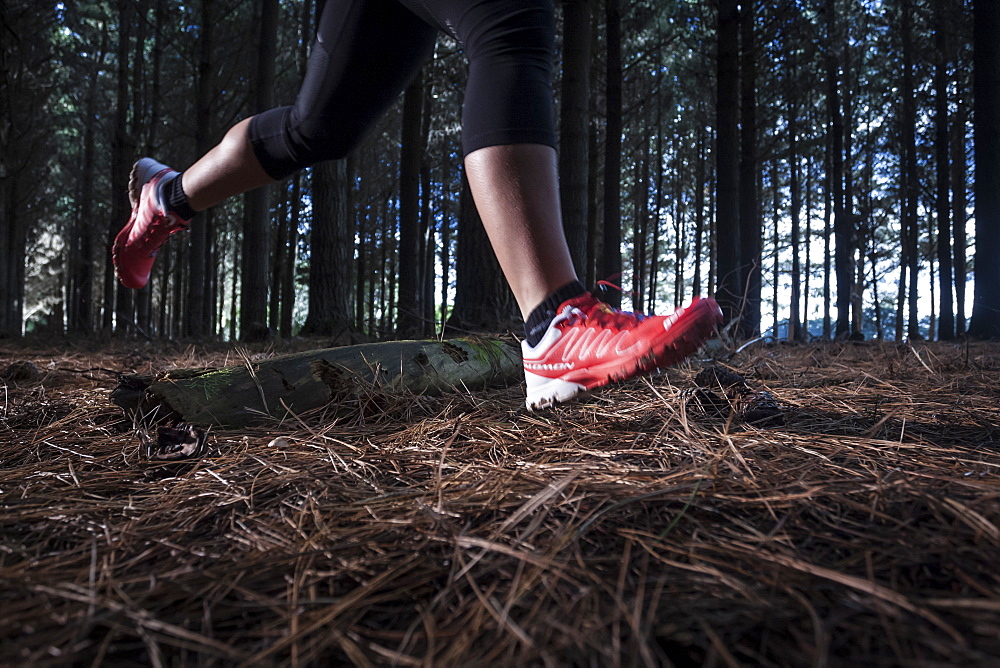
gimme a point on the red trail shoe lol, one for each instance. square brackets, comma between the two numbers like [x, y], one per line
[149, 226]
[589, 345]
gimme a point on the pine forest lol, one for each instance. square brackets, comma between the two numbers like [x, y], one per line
[765, 431]
[814, 164]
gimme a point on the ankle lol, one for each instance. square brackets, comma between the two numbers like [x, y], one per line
[175, 200]
[541, 316]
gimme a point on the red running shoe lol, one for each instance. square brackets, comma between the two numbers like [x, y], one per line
[589, 345]
[149, 226]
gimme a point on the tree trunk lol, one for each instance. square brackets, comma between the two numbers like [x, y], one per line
[946, 319]
[827, 236]
[751, 230]
[959, 205]
[727, 232]
[256, 234]
[594, 226]
[196, 316]
[26, 151]
[426, 276]
[611, 264]
[291, 260]
[791, 92]
[362, 278]
[279, 255]
[678, 200]
[574, 118]
[852, 220]
[445, 217]
[699, 207]
[654, 254]
[841, 226]
[904, 246]
[331, 259]
[332, 379]
[408, 318]
[985, 322]
[911, 183]
[389, 306]
[640, 205]
[776, 242]
[122, 152]
[713, 246]
[378, 270]
[483, 300]
[80, 296]
[804, 334]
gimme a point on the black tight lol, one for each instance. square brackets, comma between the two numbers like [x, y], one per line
[367, 51]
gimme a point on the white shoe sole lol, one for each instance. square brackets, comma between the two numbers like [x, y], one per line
[543, 392]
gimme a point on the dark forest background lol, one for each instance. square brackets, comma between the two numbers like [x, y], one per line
[824, 167]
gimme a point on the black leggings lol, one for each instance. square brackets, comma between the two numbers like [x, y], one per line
[367, 51]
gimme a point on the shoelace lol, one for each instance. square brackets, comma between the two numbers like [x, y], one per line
[599, 314]
[639, 317]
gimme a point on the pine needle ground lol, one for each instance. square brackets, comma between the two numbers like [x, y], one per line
[633, 528]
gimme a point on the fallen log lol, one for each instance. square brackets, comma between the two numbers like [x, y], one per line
[273, 388]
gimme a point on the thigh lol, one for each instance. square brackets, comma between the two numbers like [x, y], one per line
[365, 54]
[510, 47]
[469, 21]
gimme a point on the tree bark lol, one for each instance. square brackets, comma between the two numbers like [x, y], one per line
[751, 230]
[653, 268]
[279, 256]
[807, 260]
[640, 205]
[776, 242]
[26, 149]
[727, 232]
[288, 270]
[408, 322]
[427, 273]
[574, 118]
[852, 220]
[122, 152]
[196, 316]
[959, 205]
[946, 318]
[910, 174]
[445, 217]
[791, 93]
[256, 234]
[841, 226]
[331, 259]
[81, 257]
[611, 254]
[700, 180]
[678, 201]
[483, 300]
[985, 322]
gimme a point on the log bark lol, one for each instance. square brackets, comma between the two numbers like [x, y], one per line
[275, 388]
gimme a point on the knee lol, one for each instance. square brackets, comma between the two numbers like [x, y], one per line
[312, 140]
[285, 141]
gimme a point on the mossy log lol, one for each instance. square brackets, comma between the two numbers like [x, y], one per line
[275, 387]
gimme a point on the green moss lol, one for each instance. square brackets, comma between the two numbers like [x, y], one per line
[219, 381]
[488, 351]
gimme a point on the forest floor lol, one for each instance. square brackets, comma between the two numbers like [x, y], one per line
[648, 524]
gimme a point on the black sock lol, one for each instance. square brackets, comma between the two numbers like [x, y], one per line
[174, 200]
[539, 319]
